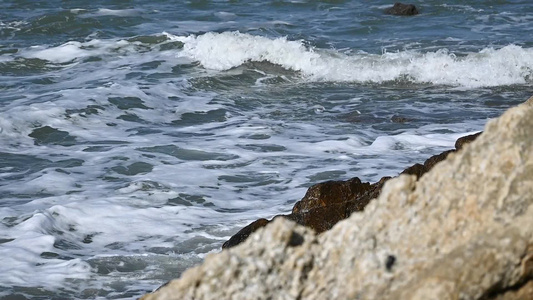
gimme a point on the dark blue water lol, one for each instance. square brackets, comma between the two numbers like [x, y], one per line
[137, 136]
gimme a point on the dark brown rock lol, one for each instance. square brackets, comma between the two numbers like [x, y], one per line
[432, 161]
[398, 119]
[330, 192]
[401, 9]
[323, 206]
[416, 169]
[327, 203]
[322, 218]
[465, 140]
[244, 233]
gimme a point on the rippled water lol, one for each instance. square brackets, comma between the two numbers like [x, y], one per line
[137, 136]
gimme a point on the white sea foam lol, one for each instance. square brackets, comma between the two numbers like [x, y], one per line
[15, 25]
[489, 67]
[61, 54]
[108, 221]
[117, 12]
[462, 8]
[77, 10]
[73, 50]
[25, 256]
[226, 16]
[410, 141]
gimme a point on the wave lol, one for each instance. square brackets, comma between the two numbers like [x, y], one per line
[490, 67]
[509, 65]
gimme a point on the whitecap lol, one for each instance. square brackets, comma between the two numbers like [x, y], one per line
[61, 54]
[509, 65]
[117, 12]
[226, 16]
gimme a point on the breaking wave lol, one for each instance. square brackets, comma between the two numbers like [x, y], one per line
[509, 65]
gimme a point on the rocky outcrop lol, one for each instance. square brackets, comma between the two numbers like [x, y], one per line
[327, 203]
[401, 9]
[465, 140]
[463, 231]
[244, 233]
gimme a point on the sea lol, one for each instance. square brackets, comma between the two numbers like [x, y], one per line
[137, 136]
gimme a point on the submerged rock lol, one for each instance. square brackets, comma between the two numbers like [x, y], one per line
[464, 230]
[401, 9]
[399, 119]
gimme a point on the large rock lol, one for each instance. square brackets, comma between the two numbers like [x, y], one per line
[324, 205]
[331, 192]
[244, 233]
[463, 231]
[329, 202]
[465, 140]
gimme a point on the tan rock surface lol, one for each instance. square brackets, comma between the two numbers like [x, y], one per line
[463, 231]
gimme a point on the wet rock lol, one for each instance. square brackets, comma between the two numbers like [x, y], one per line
[327, 203]
[324, 205]
[330, 192]
[432, 161]
[321, 218]
[399, 119]
[465, 140]
[243, 234]
[401, 9]
[417, 169]
[464, 230]
[358, 117]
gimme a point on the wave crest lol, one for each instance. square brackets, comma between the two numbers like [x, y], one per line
[509, 65]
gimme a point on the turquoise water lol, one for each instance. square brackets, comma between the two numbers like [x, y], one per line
[137, 136]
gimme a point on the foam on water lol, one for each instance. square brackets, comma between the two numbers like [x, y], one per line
[132, 161]
[462, 8]
[117, 12]
[70, 51]
[489, 67]
[64, 53]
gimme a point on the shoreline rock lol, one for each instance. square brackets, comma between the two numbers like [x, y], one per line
[464, 230]
[327, 203]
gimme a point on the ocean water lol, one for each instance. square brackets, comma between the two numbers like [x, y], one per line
[137, 136]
